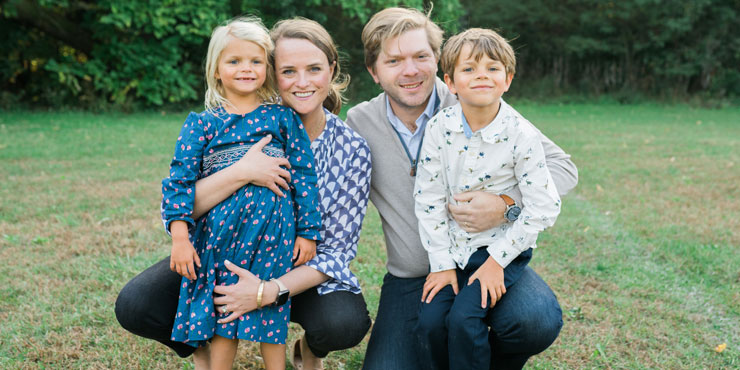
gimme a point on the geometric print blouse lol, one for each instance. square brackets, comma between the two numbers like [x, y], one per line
[505, 153]
[343, 166]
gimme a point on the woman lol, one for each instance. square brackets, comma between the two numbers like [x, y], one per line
[327, 301]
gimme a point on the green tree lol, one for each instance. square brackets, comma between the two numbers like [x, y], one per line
[150, 52]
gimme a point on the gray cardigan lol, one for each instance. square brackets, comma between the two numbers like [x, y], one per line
[392, 188]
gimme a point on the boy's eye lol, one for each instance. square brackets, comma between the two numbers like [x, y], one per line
[392, 61]
[315, 69]
[467, 69]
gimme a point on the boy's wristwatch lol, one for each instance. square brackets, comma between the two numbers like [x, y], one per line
[512, 210]
[283, 293]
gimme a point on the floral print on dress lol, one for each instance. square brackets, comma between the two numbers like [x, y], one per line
[253, 228]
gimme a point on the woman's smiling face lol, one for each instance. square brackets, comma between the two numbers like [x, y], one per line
[303, 74]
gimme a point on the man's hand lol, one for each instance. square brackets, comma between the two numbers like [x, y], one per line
[258, 168]
[491, 277]
[477, 211]
[183, 256]
[241, 297]
[303, 250]
[436, 281]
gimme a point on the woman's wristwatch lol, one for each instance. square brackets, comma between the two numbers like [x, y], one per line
[283, 293]
[512, 210]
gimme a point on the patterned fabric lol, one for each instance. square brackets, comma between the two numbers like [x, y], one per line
[227, 157]
[505, 153]
[343, 166]
[253, 227]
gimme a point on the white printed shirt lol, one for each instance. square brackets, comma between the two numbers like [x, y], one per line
[506, 152]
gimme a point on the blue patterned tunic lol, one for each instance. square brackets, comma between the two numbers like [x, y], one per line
[343, 166]
[253, 228]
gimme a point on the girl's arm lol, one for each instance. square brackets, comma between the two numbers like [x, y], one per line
[254, 167]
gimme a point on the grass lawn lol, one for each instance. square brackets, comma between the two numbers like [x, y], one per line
[645, 257]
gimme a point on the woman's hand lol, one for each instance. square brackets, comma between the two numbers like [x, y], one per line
[241, 297]
[436, 281]
[303, 250]
[478, 211]
[254, 167]
[258, 168]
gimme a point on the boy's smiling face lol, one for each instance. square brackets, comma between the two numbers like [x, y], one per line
[478, 84]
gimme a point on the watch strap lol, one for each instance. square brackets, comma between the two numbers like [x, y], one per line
[507, 199]
[280, 284]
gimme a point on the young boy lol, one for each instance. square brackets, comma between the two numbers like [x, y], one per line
[481, 143]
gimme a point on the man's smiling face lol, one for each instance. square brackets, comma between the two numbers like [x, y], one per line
[405, 69]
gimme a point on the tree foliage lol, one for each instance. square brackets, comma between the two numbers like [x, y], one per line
[657, 47]
[122, 52]
[150, 52]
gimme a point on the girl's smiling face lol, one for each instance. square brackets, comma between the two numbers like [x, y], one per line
[303, 75]
[241, 69]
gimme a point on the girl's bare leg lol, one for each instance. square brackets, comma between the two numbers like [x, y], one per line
[274, 355]
[202, 357]
[223, 351]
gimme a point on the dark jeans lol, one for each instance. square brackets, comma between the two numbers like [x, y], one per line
[146, 306]
[523, 323]
[452, 328]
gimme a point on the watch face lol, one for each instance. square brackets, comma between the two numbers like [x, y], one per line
[513, 213]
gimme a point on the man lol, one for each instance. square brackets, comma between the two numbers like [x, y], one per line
[402, 47]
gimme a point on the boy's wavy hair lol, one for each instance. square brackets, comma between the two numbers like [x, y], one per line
[482, 42]
[247, 28]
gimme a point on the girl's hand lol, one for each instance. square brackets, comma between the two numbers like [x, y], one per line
[258, 168]
[491, 277]
[303, 250]
[436, 281]
[183, 257]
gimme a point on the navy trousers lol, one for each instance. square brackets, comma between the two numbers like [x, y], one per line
[523, 323]
[147, 305]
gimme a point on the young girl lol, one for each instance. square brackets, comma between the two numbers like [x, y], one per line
[253, 228]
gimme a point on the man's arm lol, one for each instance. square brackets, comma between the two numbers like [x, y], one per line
[485, 210]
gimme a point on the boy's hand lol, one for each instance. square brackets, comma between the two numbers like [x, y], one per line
[183, 253]
[303, 250]
[491, 277]
[436, 281]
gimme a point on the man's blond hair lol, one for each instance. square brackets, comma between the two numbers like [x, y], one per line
[482, 41]
[393, 22]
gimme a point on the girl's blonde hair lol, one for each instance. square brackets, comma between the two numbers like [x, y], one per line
[247, 28]
[313, 32]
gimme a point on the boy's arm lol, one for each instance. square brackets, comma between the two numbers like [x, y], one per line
[540, 201]
[430, 198]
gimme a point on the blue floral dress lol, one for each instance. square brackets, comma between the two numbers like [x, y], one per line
[253, 228]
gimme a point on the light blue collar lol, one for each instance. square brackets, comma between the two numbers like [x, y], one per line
[425, 116]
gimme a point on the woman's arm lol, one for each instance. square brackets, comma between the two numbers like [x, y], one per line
[241, 297]
[254, 167]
